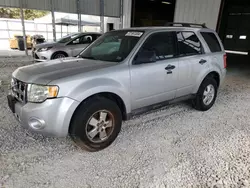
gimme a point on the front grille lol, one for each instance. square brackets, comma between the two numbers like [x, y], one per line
[19, 89]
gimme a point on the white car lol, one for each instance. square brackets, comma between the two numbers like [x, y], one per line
[68, 46]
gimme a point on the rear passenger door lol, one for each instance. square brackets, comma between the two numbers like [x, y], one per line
[193, 62]
[216, 50]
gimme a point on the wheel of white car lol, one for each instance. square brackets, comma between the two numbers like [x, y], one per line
[206, 95]
[59, 55]
[96, 124]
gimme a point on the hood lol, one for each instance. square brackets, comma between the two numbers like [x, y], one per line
[43, 73]
[48, 44]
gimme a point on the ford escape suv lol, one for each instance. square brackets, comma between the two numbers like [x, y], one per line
[124, 72]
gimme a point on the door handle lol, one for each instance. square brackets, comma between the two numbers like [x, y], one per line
[202, 61]
[170, 67]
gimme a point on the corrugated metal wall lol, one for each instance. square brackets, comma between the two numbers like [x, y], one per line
[33, 4]
[91, 7]
[9, 3]
[198, 11]
[69, 6]
[112, 7]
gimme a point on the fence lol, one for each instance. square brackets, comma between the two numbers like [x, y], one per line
[11, 27]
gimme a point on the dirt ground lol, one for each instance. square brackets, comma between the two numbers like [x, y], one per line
[176, 146]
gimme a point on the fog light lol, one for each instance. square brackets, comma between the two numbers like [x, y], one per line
[44, 58]
[36, 123]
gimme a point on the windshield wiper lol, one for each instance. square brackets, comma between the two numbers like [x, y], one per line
[87, 57]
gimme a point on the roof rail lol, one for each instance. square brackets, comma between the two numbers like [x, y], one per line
[185, 24]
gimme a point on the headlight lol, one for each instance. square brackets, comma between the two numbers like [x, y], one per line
[44, 49]
[39, 93]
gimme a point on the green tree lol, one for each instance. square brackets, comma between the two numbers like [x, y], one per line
[16, 13]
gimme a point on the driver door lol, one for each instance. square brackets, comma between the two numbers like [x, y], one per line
[155, 82]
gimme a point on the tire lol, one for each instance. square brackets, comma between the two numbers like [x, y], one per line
[58, 55]
[199, 103]
[87, 113]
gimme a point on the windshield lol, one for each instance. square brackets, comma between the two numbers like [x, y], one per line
[68, 38]
[114, 46]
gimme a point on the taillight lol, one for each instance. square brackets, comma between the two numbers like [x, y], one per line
[225, 60]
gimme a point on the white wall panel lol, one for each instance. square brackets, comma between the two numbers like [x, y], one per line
[198, 11]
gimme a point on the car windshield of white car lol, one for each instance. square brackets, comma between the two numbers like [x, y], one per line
[68, 38]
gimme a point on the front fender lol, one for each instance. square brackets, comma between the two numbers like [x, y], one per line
[100, 85]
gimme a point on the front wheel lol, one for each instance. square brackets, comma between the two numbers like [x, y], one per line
[96, 124]
[206, 95]
[58, 55]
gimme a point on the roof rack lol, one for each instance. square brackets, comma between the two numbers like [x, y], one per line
[186, 24]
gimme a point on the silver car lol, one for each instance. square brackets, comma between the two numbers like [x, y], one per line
[123, 73]
[68, 46]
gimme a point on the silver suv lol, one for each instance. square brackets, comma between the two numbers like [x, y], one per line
[124, 72]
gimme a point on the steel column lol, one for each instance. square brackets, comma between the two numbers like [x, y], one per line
[79, 16]
[23, 27]
[47, 34]
[53, 19]
[7, 23]
[121, 14]
[102, 16]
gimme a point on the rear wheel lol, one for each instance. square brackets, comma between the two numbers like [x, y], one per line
[96, 124]
[206, 96]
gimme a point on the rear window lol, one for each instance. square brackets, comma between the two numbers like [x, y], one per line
[212, 42]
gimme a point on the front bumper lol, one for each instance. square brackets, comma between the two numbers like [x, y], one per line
[53, 115]
[42, 56]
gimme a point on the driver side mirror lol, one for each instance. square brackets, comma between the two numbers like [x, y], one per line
[145, 56]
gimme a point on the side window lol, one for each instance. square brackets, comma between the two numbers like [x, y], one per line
[188, 43]
[87, 39]
[76, 41]
[162, 44]
[212, 41]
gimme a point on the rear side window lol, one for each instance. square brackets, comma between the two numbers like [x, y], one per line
[188, 43]
[211, 41]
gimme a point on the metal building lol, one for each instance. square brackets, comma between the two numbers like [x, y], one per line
[229, 17]
[193, 11]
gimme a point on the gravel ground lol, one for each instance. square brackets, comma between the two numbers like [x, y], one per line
[173, 147]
